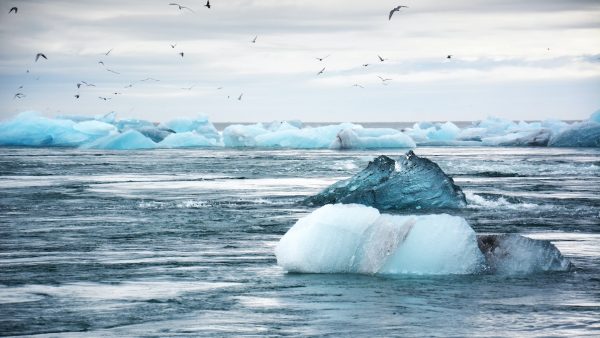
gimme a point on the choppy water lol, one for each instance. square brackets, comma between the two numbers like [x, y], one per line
[180, 242]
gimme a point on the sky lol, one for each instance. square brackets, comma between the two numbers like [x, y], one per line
[521, 60]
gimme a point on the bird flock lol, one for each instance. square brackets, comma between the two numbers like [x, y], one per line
[83, 84]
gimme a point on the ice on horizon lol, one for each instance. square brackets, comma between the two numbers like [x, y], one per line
[107, 132]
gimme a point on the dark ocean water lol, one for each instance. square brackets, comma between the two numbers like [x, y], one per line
[180, 243]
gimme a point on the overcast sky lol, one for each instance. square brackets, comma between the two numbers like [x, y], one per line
[510, 58]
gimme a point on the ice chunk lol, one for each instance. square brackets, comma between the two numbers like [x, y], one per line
[156, 134]
[31, 129]
[538, 138]
[595, 116]
[515, 254]
[201, 125]
[581, 134]
[95, 128]
[371, 138]
[410, 182]
[239, 135]
[131, 139]
[358, 239]
[186, 139]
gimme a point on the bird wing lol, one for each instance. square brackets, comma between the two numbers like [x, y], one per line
[14, 9]
[108, 52]
[380, 58]
[392, 12]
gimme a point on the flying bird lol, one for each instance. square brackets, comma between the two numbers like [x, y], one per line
[181, 7]
[149, 79]
[112, 71]
[240, 97]
[254, 40]
[173, 46]
[219, 88]
[104, 98]
[38, 55]
[76, 96]
[19, 96]
[87, 84]
[181, 53]
[383, 79]
[207, 4]
[116, 93]
[357, 85]
[449, 57]
[189, 88]
[14, 9]
[396, 9]
[380, 58]
[323, 58]
[365, 65]
[110, 50]
[321, 71]
[20, 87]
[102, 63]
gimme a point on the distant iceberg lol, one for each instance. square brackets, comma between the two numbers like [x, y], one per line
[358, 239]
[33, 130]
[409, 182]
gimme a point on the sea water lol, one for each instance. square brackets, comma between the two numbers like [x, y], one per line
[181, 242]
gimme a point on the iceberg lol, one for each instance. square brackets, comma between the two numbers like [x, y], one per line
[371, 138]
[580, 134]
[201, 125]
[515, 254]
[352, 238]
[358, 239]
[410, 182]
[131, 139]
[186, 140]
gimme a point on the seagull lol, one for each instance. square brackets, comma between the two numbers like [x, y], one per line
[19, 96]
[181, 7]
[357, 85]
[38, 55]
[112, 71]
[219, 88]
[254, 40]
[87, 84]
[189, 88]
[321, 71]
[240, 97]
[396, 9]
[104, 98]
[20, 87]
[116, 93]
[323, 58]
[110, 50]
[382, 79]
[149, 79]
[76, 96]
[78, 85]
[449, 57]
[365, 65]
[14, 9]
[380, 58]
[173, 46]
[207, 4]
[102, 63]
[181, 54]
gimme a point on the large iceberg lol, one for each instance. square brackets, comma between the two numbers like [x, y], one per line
[358, 239]
[581, 134]
[409, 182]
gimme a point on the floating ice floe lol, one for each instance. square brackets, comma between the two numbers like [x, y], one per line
[358, 239]
[32, 129]
[410, 182]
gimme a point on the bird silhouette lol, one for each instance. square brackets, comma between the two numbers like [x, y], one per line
[38, 55]
[383, 79]
[173, 46]
[112, 71]
[365, 65]
[321, 71]
[357, 85]
[19, 96]
[76, 96]
[88, 84]
[240, 97]
[188, 88]
[396, 9]
[14, 9]
[380, 58]
[181, 53]
[102, 63]
[104, 98]
[110, 50]
[449, 57]
[254, 40]
[207, 4]
[323, 58]
[181, 7]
